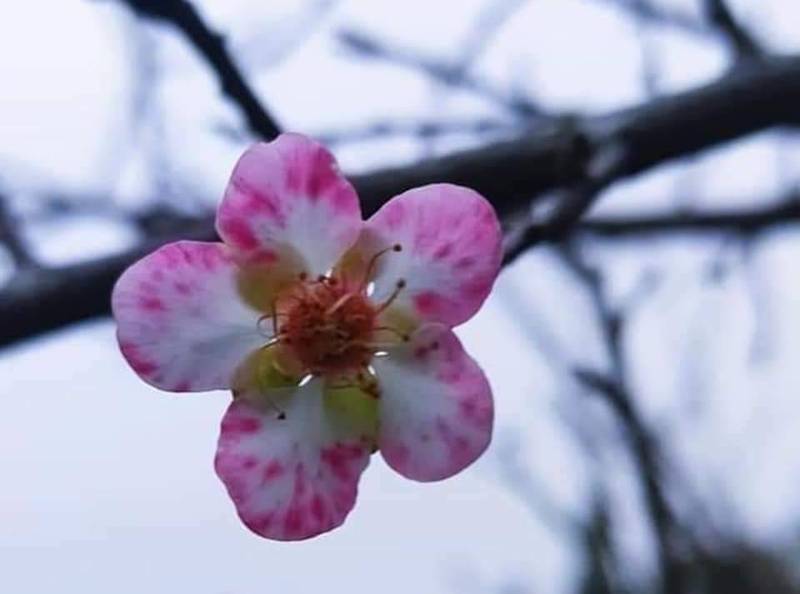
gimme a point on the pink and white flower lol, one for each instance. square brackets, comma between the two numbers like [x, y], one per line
[333, 333]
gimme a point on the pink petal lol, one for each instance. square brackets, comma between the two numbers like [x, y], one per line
[181, 322]
[435, 406]
[451, 251]
[290, 478]
[288, 195]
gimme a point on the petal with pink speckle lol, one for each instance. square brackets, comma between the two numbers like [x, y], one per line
[287, 197]
[451, 252]
[181, 322]
[435, 406]
[294, 475]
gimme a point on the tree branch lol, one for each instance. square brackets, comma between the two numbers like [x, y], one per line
[742, 42]
[742, 222]
[10, 237]
[451, 75]
[643, 446]
[509, 173]
[211, 45]
[657, 14]
[420, 129]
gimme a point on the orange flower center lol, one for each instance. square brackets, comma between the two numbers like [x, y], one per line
[328, 327]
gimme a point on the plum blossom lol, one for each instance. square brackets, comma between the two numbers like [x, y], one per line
[334, 334]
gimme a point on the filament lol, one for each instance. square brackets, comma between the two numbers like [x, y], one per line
[374, 261]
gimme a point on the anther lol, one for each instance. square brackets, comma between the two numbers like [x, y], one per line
[397, 247]
[276, 408]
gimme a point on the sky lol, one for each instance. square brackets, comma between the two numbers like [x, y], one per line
[108, 484]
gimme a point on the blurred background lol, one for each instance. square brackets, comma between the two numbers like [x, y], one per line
[642, 341]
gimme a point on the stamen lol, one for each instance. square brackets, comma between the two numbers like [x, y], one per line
[342, 300]
[401, 284]
[373, 262]
[276, 408]
[378, 347]
[262, 330]
[401, 335]
[273, 341]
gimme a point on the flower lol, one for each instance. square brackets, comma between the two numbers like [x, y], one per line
[333, 333]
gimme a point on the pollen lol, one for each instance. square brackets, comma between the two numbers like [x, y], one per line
[328, 326]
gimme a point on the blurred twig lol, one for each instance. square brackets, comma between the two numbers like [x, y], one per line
[451, 75]
[658, 14]
[11, 238]
[613, 387]
[211, 45]
[419, 129]
[488, 23]
[723, 19]
[739, 221]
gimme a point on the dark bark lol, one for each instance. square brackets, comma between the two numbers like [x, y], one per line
[510, 173]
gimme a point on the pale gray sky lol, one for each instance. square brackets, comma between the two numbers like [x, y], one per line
[108, 485]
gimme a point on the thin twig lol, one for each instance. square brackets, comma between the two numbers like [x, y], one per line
[723, 19]
[613, 387]
[443, 72]
[211, 45]
[11, 238]
[658, 14]
[742, 222]
[420, 129]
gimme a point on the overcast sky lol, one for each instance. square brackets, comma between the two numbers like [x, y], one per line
[108, 484]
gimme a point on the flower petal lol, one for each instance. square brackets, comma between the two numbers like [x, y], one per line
[435, 406]
[292, 475]
[181, 322]
[288, 196]
[451, 251]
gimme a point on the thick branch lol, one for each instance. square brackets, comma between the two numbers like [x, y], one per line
[211, 45]
[510, 173]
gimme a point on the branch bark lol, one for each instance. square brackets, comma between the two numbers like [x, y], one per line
[509, 173]
[742, 222]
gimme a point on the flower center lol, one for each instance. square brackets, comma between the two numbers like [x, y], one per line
[328, 327]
